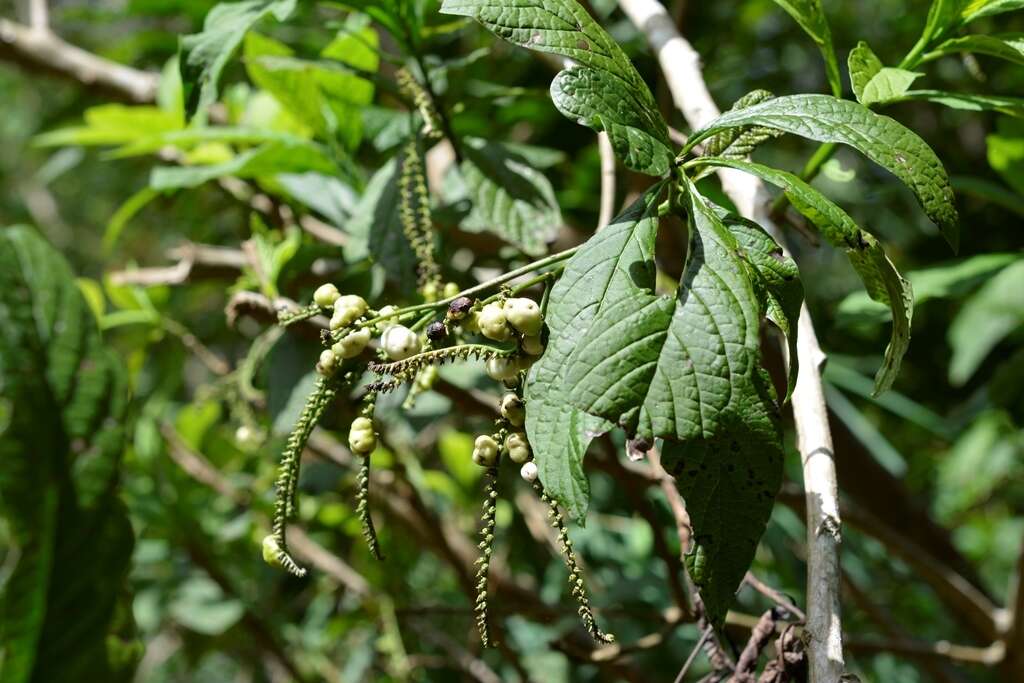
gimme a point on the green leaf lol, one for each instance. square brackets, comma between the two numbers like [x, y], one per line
[739, 143]
[203, 56]
[863, 64]
[778, 281]
[669, 366]
[376, 227]
[61, 440]
[887, 85]
[880, 277]
[600, 101]
[880, 138]
[811, 17]
[112, 124]
[990, 191]
[1008, 46]
[976, 9]
[1011, 106]
[993, 312]
[559, 433]
[1006, 152]
[729, 482]
[266, 160]
[605, 93]
[946, 15]
[509, 198]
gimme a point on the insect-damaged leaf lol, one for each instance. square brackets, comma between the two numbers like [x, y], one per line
[882, 139]
[560, 433]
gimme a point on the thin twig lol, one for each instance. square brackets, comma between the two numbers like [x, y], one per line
[681, 66]
[604, 146]
[681, 676]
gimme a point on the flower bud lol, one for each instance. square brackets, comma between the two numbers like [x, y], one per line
[513, 410]
[518, 448]
[326, 295]
[352, 344]
[485, 451]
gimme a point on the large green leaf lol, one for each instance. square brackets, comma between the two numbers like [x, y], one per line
[203, 56]
[1008, 46]
[881, 279]
[811, 17]
[1006, 152]
[61, 438]
[669, 366]
[603, 90]
[559, 433]
[882, 139]
[729, 482]
[510, 198]
[947, 15]
[600, 101]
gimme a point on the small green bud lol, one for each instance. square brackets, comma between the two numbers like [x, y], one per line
[326, 295]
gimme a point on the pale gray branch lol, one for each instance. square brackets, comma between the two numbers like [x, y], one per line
[681, 66]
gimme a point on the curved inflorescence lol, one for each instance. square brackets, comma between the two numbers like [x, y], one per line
[488, 518]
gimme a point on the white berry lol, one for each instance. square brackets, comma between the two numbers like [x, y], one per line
[529, 471]
[491, 320]
[524, 315]
[352, 344]
[501, 369]
[400, 342]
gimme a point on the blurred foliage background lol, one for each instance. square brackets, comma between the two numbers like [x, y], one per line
[932, 473]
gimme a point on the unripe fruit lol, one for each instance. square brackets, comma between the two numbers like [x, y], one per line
[532, 345]
[400, 342]
[529, 471]
[518, 448]
[451, 289]
[429, 291]
[471, 323]
[352, 344]
[485, 451]
[512, 409]
[327, 363]
[326, 295]
[436, 331]
[347, 310]
[492, 323]
[524, 315]
[271, 552]
[361, 437]
[459, 308]
[501, 369]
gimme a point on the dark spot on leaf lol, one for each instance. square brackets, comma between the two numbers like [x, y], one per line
[583, 45]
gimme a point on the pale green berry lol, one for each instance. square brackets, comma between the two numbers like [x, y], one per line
[326, 295]
[471, 323]
[529, 471]
[451, 289]
[518, 448]
[430, 292]
[512, 409]
[327, 363]
[485, 451]
[524, 315]
[347, 310]
[491, 320]
[501, 368]
[361, 437]
[352, 344]
[399, 342]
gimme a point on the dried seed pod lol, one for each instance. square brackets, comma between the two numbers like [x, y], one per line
[458, 309]
[436, 331]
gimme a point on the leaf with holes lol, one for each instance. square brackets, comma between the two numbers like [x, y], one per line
[61, 439]
[729, 482]
[597, 100]
[880, 138]
[559, 433]
[670, 366]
